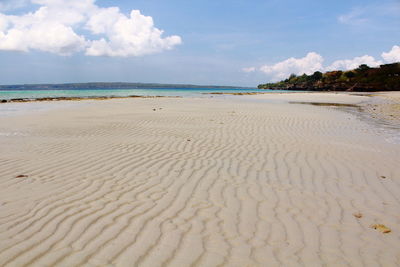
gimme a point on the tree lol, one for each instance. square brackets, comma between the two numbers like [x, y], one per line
[302, 78]
[363, 67]
[349, 74]
[333, 75]
[316, 76]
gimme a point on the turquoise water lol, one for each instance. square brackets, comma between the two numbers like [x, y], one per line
[11, 109]
[184, 92]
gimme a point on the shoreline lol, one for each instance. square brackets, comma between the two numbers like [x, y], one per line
[63, 98]
[72, 98]
[380, 108]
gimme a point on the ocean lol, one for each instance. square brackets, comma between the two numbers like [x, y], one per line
[11, 109]
[182, 92]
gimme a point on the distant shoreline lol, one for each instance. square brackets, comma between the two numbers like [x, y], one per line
[28, 95]
[113, 85]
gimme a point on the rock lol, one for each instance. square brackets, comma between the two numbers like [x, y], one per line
[21, 176]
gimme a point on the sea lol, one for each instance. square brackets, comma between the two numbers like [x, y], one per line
[13, 108]
[182, 92]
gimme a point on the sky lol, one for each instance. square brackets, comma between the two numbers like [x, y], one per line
[219, 42]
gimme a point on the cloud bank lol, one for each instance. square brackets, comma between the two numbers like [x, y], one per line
[393, 55]
[314, 62]
[349, 64]
[57, 26]
[308, 64]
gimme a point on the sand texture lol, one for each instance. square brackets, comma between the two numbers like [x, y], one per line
[198, 182]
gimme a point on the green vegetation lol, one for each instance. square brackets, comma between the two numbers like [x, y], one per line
[363, 79]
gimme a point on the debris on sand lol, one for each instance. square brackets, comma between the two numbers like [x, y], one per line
[381, 228]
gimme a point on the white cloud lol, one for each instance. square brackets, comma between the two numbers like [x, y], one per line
[309, 64]
[127, 36]
[349, 64]
[49, 29]
[393, 55]
[249, 69]
[313, 62]
[54, 25]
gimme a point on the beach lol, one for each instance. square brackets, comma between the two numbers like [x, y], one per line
[257, 180]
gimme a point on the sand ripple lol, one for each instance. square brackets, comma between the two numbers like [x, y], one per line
[197, 183]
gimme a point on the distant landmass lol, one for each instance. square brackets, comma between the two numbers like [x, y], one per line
[105, 85]
[363, 79]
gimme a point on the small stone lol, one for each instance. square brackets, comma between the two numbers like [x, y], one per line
[358, 215]
[189, 140]
[21, 176]
[381, 228]
[383, 177]
[154, 109]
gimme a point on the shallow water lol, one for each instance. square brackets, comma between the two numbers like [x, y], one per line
[11, 109]
[389, 130]
[183, 92]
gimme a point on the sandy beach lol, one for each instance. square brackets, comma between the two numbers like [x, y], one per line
[214, 181]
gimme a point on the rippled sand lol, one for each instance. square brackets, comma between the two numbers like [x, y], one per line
[198, 182]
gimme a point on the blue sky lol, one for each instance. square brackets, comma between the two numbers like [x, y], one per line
[234, 42]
